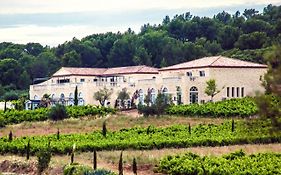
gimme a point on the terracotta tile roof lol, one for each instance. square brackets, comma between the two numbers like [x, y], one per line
[214, 61]
[130, 70]
[105, 71]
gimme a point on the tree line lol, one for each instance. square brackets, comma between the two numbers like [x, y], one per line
[247, 36]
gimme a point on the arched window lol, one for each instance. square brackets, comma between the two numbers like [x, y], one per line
[71, 99]
[36, 97]
[141, 96]
[81, 102]
[193, 95]
[179, 95]
[153, 96]
[62, 96]
[53, 96]
[71, 96]
[165, 91]
[80, 95]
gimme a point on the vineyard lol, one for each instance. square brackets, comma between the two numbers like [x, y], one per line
[234, 163]
[41, 114]
[227, 133]
[242, 107]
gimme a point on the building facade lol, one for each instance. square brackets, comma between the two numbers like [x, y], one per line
[185, 82]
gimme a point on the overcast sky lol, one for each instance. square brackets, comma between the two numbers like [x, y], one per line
[52, 22]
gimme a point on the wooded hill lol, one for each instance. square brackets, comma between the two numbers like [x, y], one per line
[246, 35]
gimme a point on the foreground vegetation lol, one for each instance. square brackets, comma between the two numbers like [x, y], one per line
[234, 163]
[228, 133]
[41, 114]
[243, 107]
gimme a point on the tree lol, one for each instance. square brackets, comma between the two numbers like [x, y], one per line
[58, 112]
[270, 104]
[72, 59]
[211, 88]
[45, 101]
[76, 96]
[134, 166]
[249, 13]
[102, 95]
[120, 164]
[123, 95]
[253, 40]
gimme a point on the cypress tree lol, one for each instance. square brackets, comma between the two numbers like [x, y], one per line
[189, 128]
[28, 150]
[58, 134]
[76, 96]
[232, 126]
[134, 166]
[10, 136]
[95, 160]
[104, 130]
[120, 165]
[72, 157]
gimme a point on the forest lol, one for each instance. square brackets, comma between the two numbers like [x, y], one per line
[244, 35]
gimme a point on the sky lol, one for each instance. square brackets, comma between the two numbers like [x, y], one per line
[52, 22]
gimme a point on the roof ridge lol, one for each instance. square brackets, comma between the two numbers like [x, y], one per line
[141, 67]
[219, 57]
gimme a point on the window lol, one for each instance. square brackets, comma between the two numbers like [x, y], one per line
[202, 73]
[227, 91]
[95, 80]
[202, 101]
[237, 92]
[153, 96]
[64, 81]
[82, 80]
[189, 74]
[242, 92]
[232, 91]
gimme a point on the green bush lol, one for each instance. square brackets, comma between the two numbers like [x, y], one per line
[75, 169]
[41, 114]
[58, 112]
[234, 163]
[161, 103]
[243, 107]
[100, 172]
[44, 157]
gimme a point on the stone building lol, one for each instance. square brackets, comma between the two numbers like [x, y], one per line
[185, 82]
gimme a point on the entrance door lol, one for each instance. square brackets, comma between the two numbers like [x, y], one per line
[193, 95]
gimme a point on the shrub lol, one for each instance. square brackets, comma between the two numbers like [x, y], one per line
[100, 172]
[242, 107]
[162, 102]
[58, 112]
[44, 158]
[76, 169]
